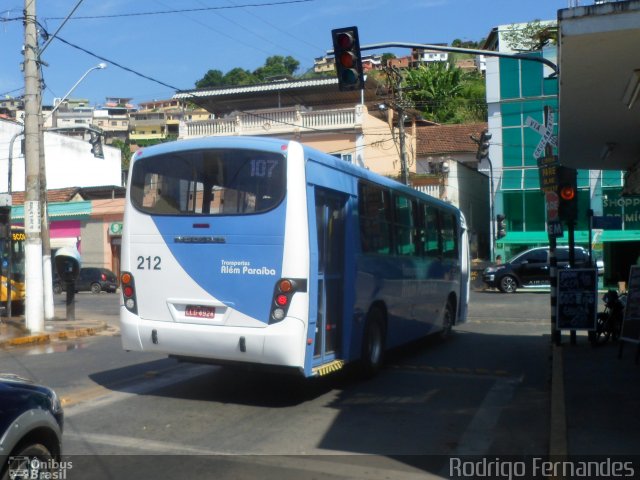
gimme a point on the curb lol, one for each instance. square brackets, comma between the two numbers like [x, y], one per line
[49, 337]
[558, 428]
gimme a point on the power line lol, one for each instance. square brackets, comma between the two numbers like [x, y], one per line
[187, 10]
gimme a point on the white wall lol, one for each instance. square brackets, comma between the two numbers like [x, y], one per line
[69, 161]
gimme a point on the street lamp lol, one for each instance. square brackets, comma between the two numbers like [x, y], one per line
[100, 66]
[49, 310]
[47, 307]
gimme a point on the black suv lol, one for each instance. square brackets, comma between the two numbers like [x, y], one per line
[531, 268]
[90, 279]
[31, 421]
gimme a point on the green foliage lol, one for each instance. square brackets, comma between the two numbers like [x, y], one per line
[239, 76]
[126, 152]
[213, 78]
[433, 89]
[467, 43]
[444, 94]
[532, 36]
[274, 66]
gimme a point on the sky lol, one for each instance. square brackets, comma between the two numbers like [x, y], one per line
[174, 50]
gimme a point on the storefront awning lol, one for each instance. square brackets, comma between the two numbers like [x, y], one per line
[581, 236]
[58, 210]
[540, 238]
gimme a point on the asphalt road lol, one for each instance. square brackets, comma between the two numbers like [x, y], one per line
[485, 391]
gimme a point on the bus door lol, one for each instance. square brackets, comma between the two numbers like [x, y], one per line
[330, 225]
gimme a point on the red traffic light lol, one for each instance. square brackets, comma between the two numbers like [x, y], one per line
[567, 193]
[346, 49]
[347, 60]
[344, 40]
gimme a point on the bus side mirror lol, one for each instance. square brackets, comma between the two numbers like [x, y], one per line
[67, 262]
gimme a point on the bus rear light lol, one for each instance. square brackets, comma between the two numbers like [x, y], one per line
[285, 286]
[284, 290]
[129, 292]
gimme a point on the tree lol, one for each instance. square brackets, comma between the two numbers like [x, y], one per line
[213, 78]
[386, 57]
[239, 76]
[276, 66]
[434, 90]
[532, 36]
[467, 43]
[125, 149]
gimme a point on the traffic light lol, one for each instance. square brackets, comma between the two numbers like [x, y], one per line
[96, 145]
[501, 226]
[346, 50]
[5, 221]
[567, 193]
[483, 145]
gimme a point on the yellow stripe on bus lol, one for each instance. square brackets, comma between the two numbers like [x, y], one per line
[328, 368]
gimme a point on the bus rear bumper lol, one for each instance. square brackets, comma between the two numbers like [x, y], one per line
[281, 344]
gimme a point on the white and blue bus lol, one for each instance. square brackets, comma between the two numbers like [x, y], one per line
[241, 250]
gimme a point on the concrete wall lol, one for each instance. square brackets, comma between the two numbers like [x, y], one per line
[69, 161]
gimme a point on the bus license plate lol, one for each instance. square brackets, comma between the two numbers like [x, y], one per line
[200, 311]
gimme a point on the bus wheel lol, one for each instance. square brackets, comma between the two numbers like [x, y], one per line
[373, 344]
[447, 320]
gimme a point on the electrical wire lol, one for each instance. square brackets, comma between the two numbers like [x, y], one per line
[185, 10]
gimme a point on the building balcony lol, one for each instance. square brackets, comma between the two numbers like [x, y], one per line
[276, 121]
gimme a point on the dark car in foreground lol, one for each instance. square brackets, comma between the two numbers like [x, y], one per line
[531, 268]
[31, 422]
[90, 279]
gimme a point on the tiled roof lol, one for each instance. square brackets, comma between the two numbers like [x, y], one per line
[57, 195]
[439, 139]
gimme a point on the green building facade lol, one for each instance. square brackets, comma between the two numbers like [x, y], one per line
[516, 91]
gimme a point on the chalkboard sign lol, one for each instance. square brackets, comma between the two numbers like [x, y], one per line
[631, 322]
[577, 302]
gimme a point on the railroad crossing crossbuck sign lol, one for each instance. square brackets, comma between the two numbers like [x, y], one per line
[546, 131]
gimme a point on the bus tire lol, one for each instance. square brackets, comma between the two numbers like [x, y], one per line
[448, 319]
[373, 343]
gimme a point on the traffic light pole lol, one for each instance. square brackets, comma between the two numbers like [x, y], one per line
[472, 51]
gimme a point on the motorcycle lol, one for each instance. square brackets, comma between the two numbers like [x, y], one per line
[609, 321]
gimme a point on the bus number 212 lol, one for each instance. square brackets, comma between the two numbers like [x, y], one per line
[148, 263]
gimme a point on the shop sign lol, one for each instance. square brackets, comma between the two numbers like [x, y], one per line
[115, 228]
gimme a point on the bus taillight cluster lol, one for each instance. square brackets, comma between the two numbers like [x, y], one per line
[285, 288]
[129, 292]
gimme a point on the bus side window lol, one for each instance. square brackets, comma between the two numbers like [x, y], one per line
[449, 236]
[418, 227]
[374, 211]
[404, 226]
[432, 232]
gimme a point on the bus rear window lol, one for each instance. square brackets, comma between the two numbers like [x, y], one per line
[208, 182]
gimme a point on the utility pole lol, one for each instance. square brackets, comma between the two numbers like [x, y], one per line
[395, 81]
[34, 311]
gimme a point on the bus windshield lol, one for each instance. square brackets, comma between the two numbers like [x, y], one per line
[208, 182]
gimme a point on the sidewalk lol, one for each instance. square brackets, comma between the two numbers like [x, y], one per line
[594, 402]
[13, 332]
